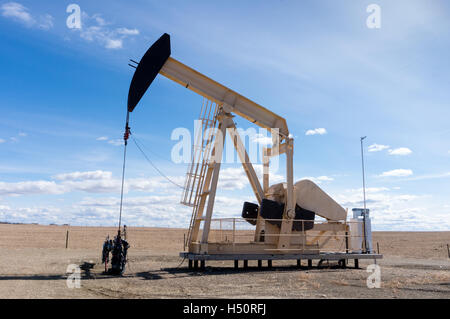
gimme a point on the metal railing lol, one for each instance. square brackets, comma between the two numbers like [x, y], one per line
[238, 231]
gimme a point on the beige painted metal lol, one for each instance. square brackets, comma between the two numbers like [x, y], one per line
[266, 168]
[253, 248]
[199, 173]
[219, 93]
[246, 164]
[289, 210]
[200, 153]
[271, 152]
[330, 226]
[225, 121]
[311, 197]
[204, 186]
[272, 235]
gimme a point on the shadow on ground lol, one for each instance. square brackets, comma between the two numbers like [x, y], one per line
[218, 271]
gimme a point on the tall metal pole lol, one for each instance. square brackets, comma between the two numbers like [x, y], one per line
[363, 173]
[364, 193]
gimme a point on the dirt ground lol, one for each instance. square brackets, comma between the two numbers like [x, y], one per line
[34, 261]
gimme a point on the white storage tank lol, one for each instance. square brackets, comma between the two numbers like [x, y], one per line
[356, 224]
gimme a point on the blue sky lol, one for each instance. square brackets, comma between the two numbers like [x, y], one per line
[63, 96]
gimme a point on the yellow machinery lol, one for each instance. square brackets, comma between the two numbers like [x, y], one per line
[279, 233]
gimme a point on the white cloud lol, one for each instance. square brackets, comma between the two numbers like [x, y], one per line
[106, 185]
[392, 211]
[21, 13]
[316, 131]
[97, 29]
[155, 184]
[101, 35]
[46, 22]
[429, 176]
[90, 182]
[400, 151]
[397, 173]
[114, 43]
[262, 139]
[45, 215]
[14, 139]
[99, 19]
[151, 211]
[377, 147]
[369, 190]
[17, 11]
[31, 188]
[389, 211]
[232, 178]
[116, 142]
[92, 175]
[235, 178]
[319, 179]
[127, 31]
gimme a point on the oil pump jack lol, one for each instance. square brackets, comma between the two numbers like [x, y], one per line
[284, 215]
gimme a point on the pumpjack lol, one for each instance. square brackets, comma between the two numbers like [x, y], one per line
[284, 215]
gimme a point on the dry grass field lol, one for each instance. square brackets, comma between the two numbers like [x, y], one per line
[33, 263]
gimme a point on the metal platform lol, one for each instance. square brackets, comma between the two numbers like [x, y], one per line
[320, 256]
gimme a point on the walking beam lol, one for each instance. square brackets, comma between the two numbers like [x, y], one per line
[232, 101]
